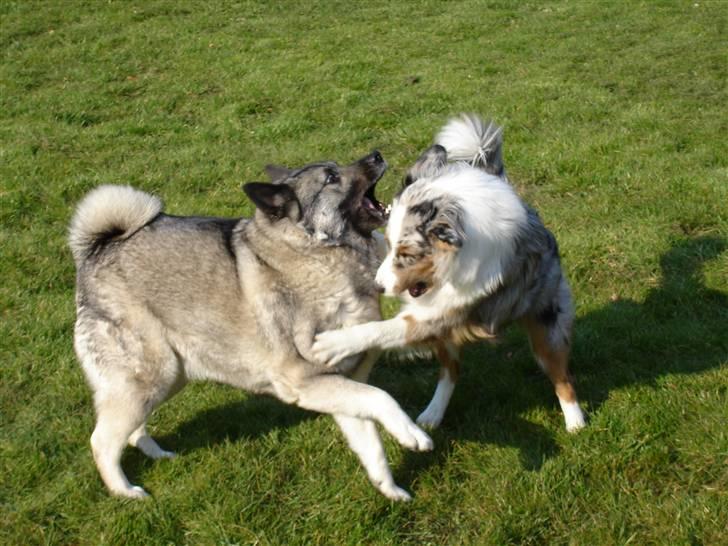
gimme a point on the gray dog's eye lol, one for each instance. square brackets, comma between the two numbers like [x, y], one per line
[332, 178]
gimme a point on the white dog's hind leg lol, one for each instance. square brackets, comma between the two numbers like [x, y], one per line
[363, 439]
[554, 361]
[116, 420]
[147, 445]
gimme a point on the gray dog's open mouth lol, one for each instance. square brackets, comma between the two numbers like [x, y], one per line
[368, 213]
[372, 206]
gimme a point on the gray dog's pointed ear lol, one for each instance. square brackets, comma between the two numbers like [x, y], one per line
[277, 172]
[430, 163]
[447, 229]
[277, 201]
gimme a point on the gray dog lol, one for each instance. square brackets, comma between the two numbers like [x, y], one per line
[162, 300]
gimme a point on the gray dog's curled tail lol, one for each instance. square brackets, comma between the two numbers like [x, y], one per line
[109, 213]
[470, 139]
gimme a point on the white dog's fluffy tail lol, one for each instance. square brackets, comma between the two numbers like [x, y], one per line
[109, 212]
[470, 139]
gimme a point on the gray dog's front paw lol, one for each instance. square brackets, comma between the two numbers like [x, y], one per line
[414, 438]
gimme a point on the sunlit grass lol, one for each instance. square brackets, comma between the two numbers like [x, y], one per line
[616, 131]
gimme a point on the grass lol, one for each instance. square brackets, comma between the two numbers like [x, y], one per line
[615, 130]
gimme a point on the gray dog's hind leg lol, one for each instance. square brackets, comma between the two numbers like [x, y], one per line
[147, 445]
[117, 418]
[364, 440]
[130, 375]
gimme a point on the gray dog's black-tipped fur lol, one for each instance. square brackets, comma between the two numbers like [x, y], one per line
[162, 300]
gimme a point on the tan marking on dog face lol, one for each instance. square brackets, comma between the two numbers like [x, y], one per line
[442, 246]
[411, 270]
[406, 251]
[416, 261]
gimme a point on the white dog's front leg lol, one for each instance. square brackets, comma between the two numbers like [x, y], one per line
[332, 346]
[364, 440]
[449, 356]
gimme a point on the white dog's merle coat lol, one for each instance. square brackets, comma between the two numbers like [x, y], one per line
[467, 257]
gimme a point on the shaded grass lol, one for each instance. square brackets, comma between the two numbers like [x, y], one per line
[615, 130]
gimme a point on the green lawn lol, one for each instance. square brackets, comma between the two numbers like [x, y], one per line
[616, 130]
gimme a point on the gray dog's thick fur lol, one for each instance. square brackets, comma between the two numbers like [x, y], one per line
[162, 300]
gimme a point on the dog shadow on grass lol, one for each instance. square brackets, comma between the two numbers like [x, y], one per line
[680, 328]
[250, 417]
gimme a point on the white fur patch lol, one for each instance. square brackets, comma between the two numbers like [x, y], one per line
[573, 416]
[467, 139]
[385, 276]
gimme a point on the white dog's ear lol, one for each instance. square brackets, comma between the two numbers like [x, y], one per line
[277, 172]
[446, 228]
[277, 201]
[430, 163]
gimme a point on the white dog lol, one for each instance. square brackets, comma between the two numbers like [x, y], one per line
[467, 257]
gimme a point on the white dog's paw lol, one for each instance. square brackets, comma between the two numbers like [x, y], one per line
[430, 418]
[395, 493]
[573, 416]
[575, 424]
[333, 346]
[162, 454]
[133, 492]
